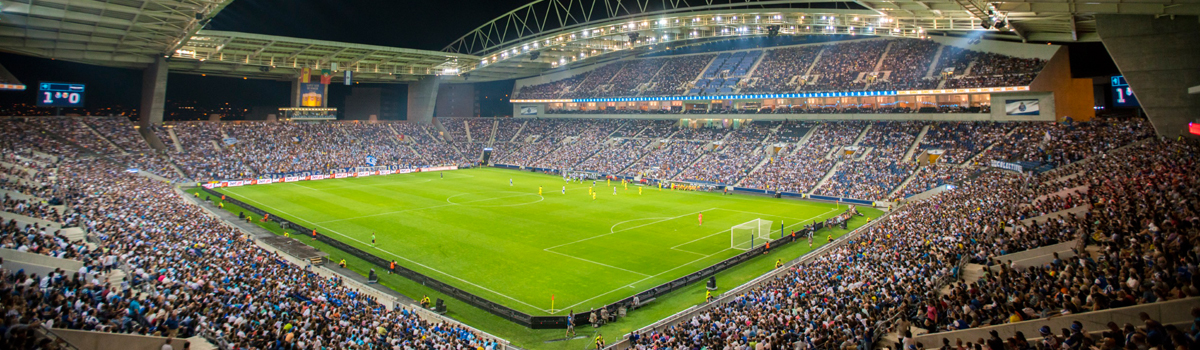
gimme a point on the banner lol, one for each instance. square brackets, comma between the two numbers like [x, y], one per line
[1021, 107]
[1007, 166]
[440, 168]
[317, 177]
[263, 181]
[364, 173]
[371, 161]
[291, 179]
[341, 175]
[305, 75]
[312, 95]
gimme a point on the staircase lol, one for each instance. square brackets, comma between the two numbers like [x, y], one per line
[970, 66]
[437, 123]
[879, 65]
[467, 129]
[394, 132]
[761, 56]
[916, 144]
[933, 65]
[976, 157]
[863, 134]
[904, 184]
[110, 143]
[824, 179]
[519, 130]
[495, 128]
[814, 62]
[175, 140]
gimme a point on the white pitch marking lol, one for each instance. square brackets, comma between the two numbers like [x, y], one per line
[601, 264]
[627, 229]
[403, 258]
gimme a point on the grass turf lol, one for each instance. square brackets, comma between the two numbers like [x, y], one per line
[471, 229]
[662, 307]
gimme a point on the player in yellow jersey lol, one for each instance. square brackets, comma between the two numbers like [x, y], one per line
[539, 190]
[639, 191]
[593, 195]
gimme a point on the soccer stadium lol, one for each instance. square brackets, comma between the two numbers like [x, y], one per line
[599, 174]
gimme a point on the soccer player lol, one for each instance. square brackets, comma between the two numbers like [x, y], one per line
[564, 191]
[608, 182]
[570, 323]
[614, 191]
[639, 191]
[593, 195]
[539, 190]
[510, 181]
[700, 219]
[442, 174]
[626, 184]
[372, 238]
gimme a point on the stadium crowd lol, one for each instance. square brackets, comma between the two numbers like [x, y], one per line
[831, 67]
[188, 273]
[889, 277]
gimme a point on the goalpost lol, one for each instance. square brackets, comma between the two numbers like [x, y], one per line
[750, 234]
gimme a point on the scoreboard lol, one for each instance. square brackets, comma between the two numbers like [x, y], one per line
[1122, 94]
[69, 95]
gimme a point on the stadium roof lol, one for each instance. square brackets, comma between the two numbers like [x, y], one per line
[570, 32]
[121, 33]
[276, 57]
[541, 36]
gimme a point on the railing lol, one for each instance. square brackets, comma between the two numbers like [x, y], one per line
[49, 334]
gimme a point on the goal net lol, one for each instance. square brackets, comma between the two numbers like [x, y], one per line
[750, 234]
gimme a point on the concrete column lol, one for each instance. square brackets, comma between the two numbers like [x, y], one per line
[1158, 57]
[422, 97]
[295, 96]
[154, 93]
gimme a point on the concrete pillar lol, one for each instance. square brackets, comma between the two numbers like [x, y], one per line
[1160, 60]
[295, 96]
[154, 93]
[422, 97]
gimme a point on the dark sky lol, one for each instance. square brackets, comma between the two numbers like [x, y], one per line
[417, 24]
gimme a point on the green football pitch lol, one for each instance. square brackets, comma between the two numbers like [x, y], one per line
[472, 229]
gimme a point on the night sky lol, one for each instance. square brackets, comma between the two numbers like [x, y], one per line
[429, 25]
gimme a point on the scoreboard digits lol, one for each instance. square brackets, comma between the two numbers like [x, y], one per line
[1122, 94]
[69, 95]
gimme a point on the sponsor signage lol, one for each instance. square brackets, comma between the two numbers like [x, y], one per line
[1007, 166]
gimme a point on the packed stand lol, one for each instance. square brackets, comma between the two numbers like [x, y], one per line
[190, 273]
[120, 131]
[875, 175]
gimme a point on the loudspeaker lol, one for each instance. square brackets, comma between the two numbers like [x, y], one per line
[440, 306]
[712, 283]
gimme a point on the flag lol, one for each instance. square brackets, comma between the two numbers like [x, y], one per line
[348, 77]
[305, 75]
[326, 77]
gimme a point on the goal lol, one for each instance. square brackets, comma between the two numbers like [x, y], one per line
[750, 234]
